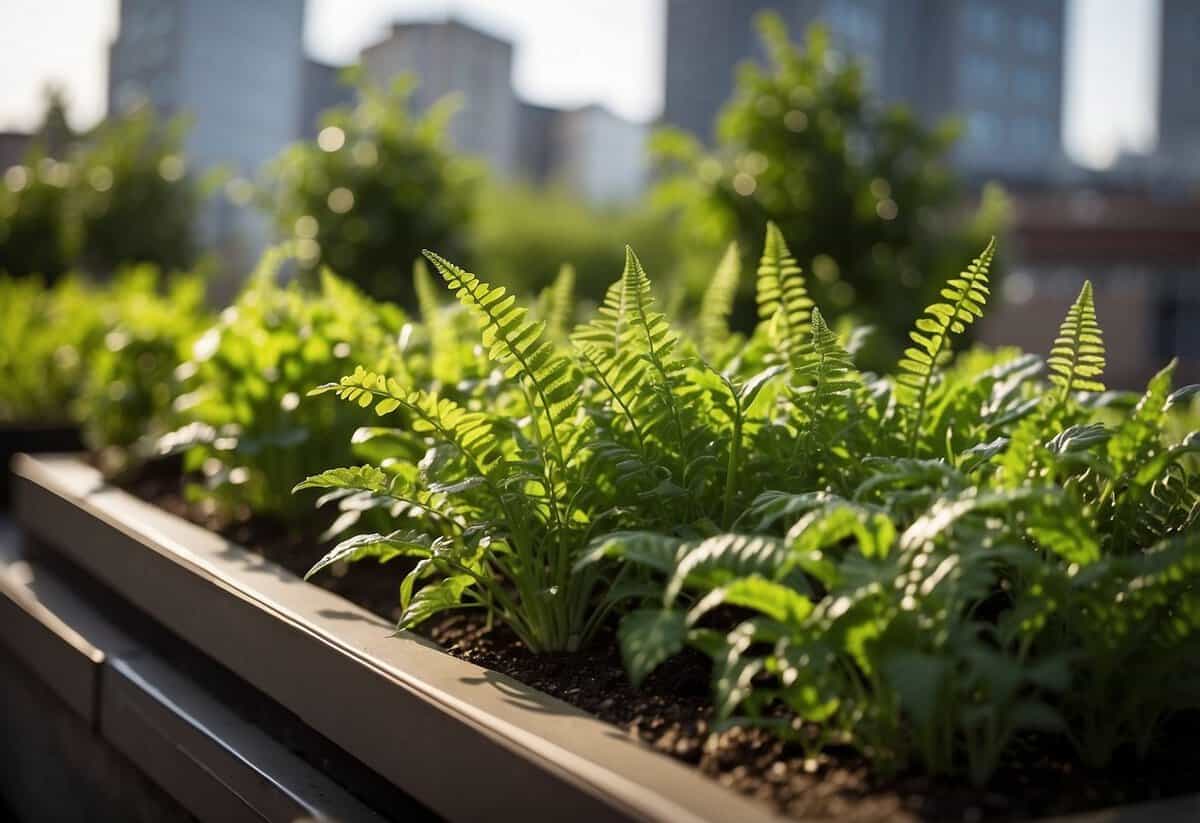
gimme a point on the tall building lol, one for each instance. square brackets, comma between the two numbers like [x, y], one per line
[451, 57]
[235, 70]
[1179, 88]
[996, 63]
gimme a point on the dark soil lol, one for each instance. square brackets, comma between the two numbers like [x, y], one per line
[671, 712]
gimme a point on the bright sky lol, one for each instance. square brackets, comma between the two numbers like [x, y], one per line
[579, 51]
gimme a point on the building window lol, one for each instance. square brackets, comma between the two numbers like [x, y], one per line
[983, 76]
[1032, 134]
[1031, 85]
[983, 130]
[1036, 35]
[985, 21]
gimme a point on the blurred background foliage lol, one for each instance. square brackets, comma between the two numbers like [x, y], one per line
[523, 235]
[863, 193]
[95, 201]
[376, 187]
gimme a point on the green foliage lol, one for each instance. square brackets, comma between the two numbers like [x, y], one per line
[240, 420]
[1078, 354]
[383, 188]
[863, 191]
[526, 234]
[46, 337]
[119, 195]
[130, 381]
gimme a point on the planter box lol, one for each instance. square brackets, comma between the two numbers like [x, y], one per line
[111, 731]
[468, 743]
[31, 439]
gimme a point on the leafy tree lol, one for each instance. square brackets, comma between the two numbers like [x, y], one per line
[130, 200]
[861, 191]
[375, 189]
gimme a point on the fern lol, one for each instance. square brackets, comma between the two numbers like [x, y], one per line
[717, 302]
[1077, 359]
[556, 304]
[782, 296]
[520, 344]
[443, 342]
[827, 375]
[966, 296]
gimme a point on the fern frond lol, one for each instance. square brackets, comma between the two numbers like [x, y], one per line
[443, 343]
[824, 367]
[717, 302]
[1077, 358]
[556, 303]
[471, 432]
[520, 345]
[965, 296]
[782, 296]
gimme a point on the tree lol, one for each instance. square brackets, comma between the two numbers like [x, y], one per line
[861, 192]
[375, 189]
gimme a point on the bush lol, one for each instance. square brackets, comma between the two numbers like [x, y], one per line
[376, 188]
[130, 383]
[131, 200]
[240, 420]
[46, 336]
[116, 196]
[863, 192]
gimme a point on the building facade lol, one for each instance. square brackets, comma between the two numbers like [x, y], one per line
[235, 70]
[998, 64]
[1179, 88]
[1142, 255]
[453, 58]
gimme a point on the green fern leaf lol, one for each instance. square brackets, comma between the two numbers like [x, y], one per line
[1077, 358]
[782, 296]
[556, 303]
[443, 343]
[965, 297]
[717, 303]
[521, 345]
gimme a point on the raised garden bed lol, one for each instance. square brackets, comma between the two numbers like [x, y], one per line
[415, 715]
[408, 711]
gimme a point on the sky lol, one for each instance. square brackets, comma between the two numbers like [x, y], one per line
[581, 51]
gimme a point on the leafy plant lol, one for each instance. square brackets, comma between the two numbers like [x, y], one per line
[379, 188]
[240, 421]
[46, 337]
[130, 381]
[929, 566]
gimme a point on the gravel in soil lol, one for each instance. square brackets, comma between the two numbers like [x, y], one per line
[672, 713]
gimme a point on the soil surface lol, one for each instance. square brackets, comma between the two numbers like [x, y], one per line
[671, 711]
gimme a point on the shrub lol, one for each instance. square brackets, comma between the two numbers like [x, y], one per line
[129, 383]
[130, 200]
[375, 190]
[863, 192]
[240, 420]
[46, 335]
